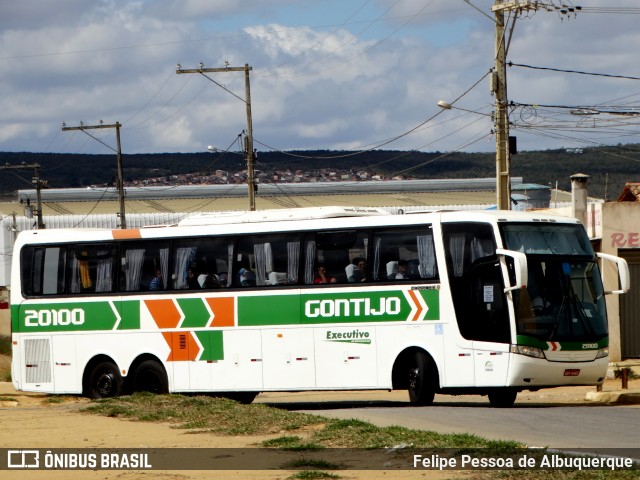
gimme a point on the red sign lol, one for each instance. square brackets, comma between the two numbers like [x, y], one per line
[572, 372]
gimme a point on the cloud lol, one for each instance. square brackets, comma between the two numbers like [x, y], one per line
[323, 75]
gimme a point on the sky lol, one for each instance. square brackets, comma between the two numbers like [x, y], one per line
[331, 74]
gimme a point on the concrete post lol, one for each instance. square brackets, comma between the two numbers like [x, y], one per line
[579, 193]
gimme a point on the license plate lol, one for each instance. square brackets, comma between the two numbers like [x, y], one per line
[572, 372]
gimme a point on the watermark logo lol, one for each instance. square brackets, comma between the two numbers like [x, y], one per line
[23, 459]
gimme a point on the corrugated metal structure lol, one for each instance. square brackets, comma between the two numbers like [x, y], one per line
[98, 208]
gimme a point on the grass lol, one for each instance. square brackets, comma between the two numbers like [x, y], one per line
[202, 413]
[5, 358]
[303, 432]
[5, 345]
[312, 474]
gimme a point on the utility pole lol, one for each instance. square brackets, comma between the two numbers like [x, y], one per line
[248, 143]
[120, 186]
[40, 184]
[499, 90]
[499, 86]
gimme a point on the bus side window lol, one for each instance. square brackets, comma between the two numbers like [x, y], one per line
[335, 251]
[268, 260]
[90, 268]
[476, 283]
[144, 266]
[404, 254]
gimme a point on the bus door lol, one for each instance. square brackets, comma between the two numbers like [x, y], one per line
[480, 303]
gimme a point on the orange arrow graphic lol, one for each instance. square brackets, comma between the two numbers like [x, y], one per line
[418, 305]
[183, 346]
[223, 312]
[164, 313]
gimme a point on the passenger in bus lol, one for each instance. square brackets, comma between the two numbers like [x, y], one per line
[246, 277]
[322, 276]
[402, 271]
[541, 304]
[156, 282]
[192, 279]
[208, 281]
[356, 271]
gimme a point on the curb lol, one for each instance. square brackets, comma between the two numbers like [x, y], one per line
[617, 398]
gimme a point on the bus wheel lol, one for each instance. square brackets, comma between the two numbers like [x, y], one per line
[104, 381]
[421, 381]
[150, 376]
[502, 397]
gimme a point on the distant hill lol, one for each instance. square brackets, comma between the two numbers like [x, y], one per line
[609, 168]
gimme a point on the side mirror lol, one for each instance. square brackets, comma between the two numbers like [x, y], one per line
[520, 268]
[623, 272]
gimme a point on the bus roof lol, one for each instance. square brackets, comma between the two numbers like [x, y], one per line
[286, 220]
[285, 214]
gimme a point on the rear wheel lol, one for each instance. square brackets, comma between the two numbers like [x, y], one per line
[502, 397]
[104, 381]
[422, 379]
[150, 376]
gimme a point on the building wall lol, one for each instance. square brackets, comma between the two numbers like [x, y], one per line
[620, 234]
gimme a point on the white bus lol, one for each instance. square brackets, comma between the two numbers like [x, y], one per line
[489, 302]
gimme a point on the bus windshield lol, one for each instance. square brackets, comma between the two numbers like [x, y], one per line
[564, 298]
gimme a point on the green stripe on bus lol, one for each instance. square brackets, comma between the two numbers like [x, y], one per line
[340, 307]
[269, 310]
[129, 311]
[432, 299]
[63, 317]
[212, 343]
[195, 312]
[567, 346]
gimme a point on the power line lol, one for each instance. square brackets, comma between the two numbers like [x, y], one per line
[562, 70]
[384, 142]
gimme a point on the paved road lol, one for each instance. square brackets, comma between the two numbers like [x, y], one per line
[554, 424]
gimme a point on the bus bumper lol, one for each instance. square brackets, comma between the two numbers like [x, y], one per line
[536, 372]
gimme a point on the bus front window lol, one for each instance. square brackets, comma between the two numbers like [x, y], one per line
[564, 298]
[564, 301]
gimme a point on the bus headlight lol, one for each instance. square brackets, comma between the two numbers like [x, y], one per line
[534, 352]
[603, 352]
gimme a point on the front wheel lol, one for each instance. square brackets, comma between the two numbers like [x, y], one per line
[151, 377]
[502, 397]
[422, 381]
[104, 381]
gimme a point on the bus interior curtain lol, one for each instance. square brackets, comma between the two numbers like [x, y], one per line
[260, 254]
[104, 272]
[456, 247]
[75, 274]
[133, 273]
[377, 242]
[184, 256]
[229, 264]
[293, 261]
[481, 247]
[426, 256]
[309, 262]
[164, 266]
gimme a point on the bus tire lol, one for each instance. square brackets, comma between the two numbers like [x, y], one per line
[422, 379]
[104, 381]
[150, 376]
[502, 397]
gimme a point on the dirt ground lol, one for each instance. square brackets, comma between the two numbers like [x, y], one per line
[34, 421]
